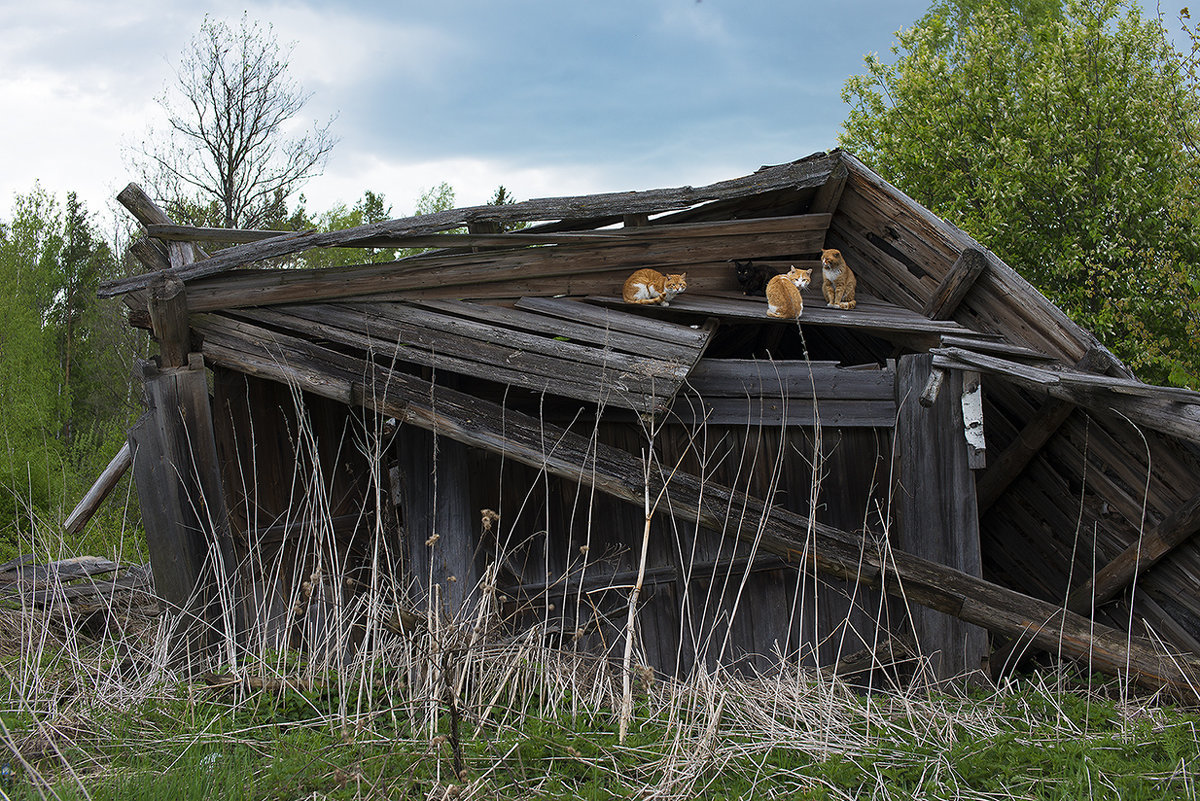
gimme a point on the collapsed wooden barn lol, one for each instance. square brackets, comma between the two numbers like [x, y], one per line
[953, 457]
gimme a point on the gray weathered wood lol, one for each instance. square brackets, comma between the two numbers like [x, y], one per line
[1143, 554]
[808, 172]
[955, 286]
[772, 393]
[169, 318]
[183, 511]
[1012, 462]
[935, 508]
[440, 526]
[142, 207]
[792, 536]
[830, 193]
[91, 500]
[1167, 409]
[152, 254]
[455, 344]
[668, 248]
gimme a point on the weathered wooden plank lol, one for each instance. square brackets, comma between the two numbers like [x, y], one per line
[870, 316]
[1000, 295]
[740, 239]
[413, 322]
[524, 371]
[183, 512]
[574, 330]
[92, 499]
[417, 335]
[692, 410]
[615, 320]
[152, 254]
[792, 536]
[935, 508]
[995, 347]
[955, 285]
[1166, 409]
[809, 172]
[440, 526]
[753, 378]
[25, 571]
[1138, 557]
[830, 194]
[169, 318]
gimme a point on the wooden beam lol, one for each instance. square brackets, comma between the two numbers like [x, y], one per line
[1175, 412]
[179, 488]
[148, 213]
[810, 172]
[1029, 442]
[792, 536]
[935, 508]
[830, 193]
[169, 319]
[955, 285]
[151, 253]
[636, 247]
[1143, 554]
[91, 501]
[139, 204]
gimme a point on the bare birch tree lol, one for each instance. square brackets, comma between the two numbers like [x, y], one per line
[228, 158]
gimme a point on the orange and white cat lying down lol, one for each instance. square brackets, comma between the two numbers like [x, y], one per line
[648, 285]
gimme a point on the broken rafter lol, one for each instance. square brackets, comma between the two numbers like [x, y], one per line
[1172, 411]
[955, 286]
[1028, 443]
[810, 172]
[792, 536]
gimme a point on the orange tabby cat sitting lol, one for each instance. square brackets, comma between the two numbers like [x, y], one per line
[837, 280]
[783, 293]
[650, 286]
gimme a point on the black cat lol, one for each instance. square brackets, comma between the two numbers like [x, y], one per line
[752, 278]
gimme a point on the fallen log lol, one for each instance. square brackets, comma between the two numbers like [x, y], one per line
[797, 538]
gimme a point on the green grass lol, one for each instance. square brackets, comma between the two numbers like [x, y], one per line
[1034, 739]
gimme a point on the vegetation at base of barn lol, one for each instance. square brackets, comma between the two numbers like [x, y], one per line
[92, 705]
[83, 720]
[1062, 136]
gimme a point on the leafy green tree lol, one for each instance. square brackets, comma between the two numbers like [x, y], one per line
[1060, 135]
[31, 407]
[65, 360]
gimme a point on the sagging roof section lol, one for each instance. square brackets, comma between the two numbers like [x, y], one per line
[564, 348]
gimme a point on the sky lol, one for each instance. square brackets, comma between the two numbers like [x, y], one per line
[545, 97]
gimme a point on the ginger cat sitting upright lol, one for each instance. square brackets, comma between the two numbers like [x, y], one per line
[783, 293]
[837, 280]
[648, 285]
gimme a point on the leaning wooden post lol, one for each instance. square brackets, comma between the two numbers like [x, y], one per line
[935, 502]
[179, 484]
